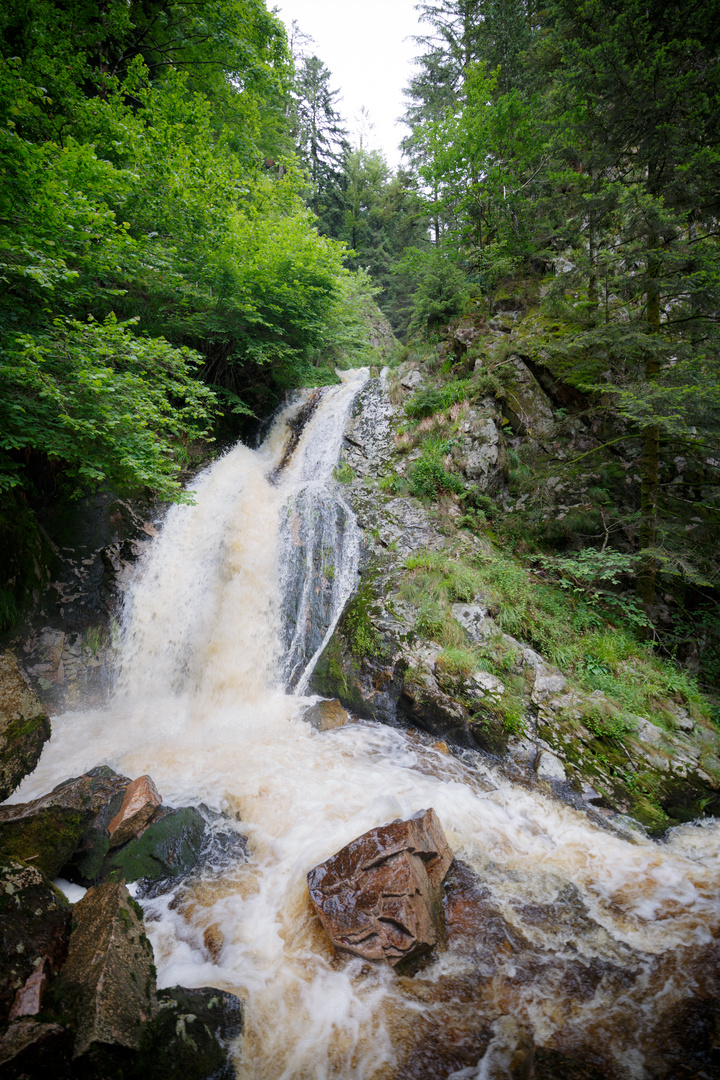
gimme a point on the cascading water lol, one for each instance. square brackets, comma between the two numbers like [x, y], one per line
[585, 935]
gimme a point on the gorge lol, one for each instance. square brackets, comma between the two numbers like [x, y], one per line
[572, 937]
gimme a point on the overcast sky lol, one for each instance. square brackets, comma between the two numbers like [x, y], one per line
[366, 46]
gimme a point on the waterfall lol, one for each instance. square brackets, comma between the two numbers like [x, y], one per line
[231, 606]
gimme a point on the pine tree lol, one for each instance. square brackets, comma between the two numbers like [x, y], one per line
[321, 140]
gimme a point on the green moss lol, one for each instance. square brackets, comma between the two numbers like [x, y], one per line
[46, 840]
[357, 626]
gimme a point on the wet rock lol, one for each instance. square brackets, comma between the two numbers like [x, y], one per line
[169, 847]
[24, 726]
[140, 802]
[34, 929]
[326, 715]
[29, 997]
[425, 704]
[550, 767]
[368, 440]
[31, 1049]
[48, 830]
[107, 984]
[510, 1054]
[189, 1037]
[368, 684]
[380, 897]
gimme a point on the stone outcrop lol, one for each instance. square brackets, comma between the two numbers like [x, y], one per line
[380, 897]
[24, 726]
[108, 981]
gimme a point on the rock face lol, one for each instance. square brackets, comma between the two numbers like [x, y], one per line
[108, 980]
[380, 897]
[24, 727]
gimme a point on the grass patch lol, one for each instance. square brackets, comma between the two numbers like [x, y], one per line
[343, 473]
[559, 625]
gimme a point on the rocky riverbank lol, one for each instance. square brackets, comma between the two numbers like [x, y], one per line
[78, 995]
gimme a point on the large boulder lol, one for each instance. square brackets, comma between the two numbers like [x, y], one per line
[71, 818]
[34, 929]
[24, 726]
[189, 1037]
[169, 847]
[107, 985]
[380, 897]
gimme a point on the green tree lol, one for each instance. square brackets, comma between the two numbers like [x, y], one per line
[640, 84]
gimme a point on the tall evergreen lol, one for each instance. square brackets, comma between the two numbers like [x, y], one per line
[321, 140]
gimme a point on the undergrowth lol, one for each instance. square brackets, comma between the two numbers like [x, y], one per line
[565, 630]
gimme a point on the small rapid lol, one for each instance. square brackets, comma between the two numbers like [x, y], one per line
[232, 605]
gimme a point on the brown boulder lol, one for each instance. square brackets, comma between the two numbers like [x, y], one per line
[141, 801]
[108, 981]
[381, 896]
[24, 726]
[326, 715]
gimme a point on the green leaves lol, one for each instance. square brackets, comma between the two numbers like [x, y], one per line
[109, 405]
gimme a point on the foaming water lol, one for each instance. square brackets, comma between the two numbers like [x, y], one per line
[200, 704]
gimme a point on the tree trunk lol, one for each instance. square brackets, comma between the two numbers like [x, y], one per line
[649, 471]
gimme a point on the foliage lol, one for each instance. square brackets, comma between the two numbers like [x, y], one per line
[111, 406]
[597, 577]
[431, 399]
[429, 476]
[607, 657]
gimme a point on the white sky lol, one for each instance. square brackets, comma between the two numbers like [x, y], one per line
[366, 46]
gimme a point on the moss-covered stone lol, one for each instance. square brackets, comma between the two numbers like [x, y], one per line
[24, 726]
[188, 1038]
[72, 818]
[168, 848]
[46, 838]
[34, 923]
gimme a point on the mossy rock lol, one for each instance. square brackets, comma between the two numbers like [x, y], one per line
[34, 924]
[24, 727]
[168, 848]
[47, 838]
[186, 1039]
[71, 818]
[360, 666]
